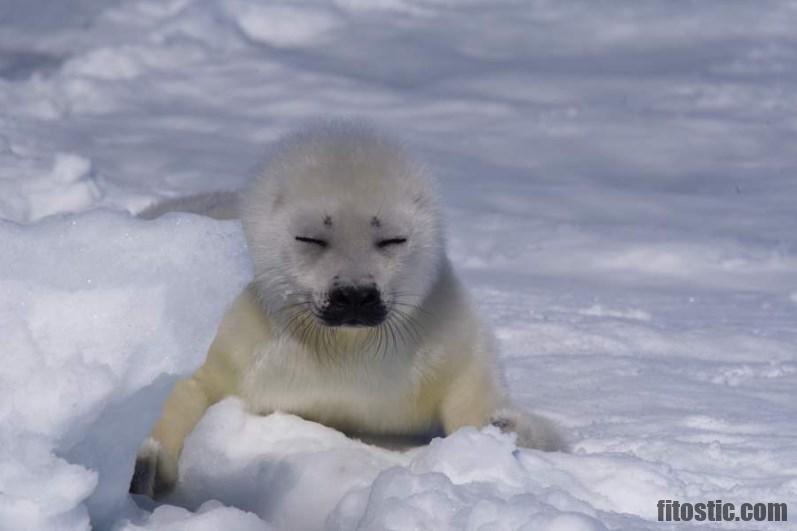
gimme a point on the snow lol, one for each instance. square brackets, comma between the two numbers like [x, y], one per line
[98, 313]
[67, 187]
[211, 516]
[619, 179]
[276, 466]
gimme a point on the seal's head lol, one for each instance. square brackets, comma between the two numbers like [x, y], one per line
[343, 228]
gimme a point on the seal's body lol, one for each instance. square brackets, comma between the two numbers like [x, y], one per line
[355, 318]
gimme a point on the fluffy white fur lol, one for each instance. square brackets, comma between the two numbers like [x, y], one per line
[429, 368]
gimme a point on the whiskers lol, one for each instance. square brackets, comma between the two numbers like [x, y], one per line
[402, 331]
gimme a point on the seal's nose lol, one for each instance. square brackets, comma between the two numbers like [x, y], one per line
[354, 297]
[354, 306]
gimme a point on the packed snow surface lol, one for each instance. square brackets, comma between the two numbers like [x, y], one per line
[620, 182]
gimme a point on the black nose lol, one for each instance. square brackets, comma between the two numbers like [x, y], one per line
[354, 306]
[354, 297]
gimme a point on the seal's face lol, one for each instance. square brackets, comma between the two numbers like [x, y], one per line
[356, 264]
[344, 233]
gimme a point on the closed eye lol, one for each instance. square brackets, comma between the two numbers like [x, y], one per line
[390, 241]
[314, 241]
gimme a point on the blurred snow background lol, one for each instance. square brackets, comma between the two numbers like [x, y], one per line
[620, 180]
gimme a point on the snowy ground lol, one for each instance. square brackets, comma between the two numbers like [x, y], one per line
[620, 180]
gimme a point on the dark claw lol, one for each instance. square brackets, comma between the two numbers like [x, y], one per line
[143, 481]
[148, 478]
[503, 424]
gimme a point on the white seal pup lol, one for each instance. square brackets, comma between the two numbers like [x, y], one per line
[355, 318]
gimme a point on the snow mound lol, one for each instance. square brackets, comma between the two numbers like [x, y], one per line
[98, 313]
[69, 185]
[211, 516]
[297, 474]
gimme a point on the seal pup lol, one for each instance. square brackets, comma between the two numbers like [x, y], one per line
[355, 317]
